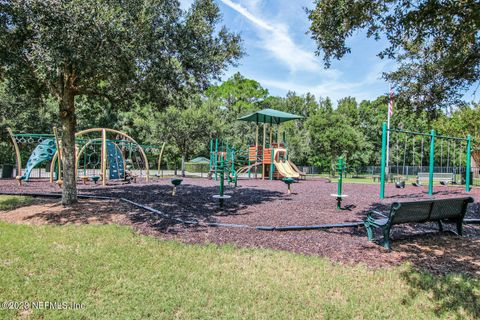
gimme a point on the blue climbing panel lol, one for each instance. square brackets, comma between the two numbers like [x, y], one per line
[116, 163]
[42, 152]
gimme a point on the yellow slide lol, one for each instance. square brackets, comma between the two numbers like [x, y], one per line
[286, 170]
[295, 168]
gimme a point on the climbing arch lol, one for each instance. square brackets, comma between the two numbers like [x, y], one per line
[106, 144]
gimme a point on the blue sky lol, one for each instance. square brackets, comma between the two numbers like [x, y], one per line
[280, 54]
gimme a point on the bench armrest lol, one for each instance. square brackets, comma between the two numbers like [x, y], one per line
[371, 213]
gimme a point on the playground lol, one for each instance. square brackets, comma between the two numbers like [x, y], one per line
[202, 159]
[258, 197]
[262, 203]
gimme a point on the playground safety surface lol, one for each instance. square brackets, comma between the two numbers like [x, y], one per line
[266, 203]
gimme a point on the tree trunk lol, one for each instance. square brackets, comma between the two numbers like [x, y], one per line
[68, 122]
[183, 165]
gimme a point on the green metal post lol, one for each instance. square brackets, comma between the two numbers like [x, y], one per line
[211, 155]
[232, 168]
[340, 168]
[216, 158]
[432, 162]
[222, 169]
[272, 150]
[467, 174]
[383, 161]
[340, 176]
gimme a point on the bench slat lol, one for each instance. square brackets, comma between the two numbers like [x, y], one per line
[437, 210]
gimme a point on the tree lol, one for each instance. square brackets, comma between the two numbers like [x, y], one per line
[332, 135]
[238, 94]
[188, 129]
[233, 98]
[296, 132]
[122, 50]
[435, 43]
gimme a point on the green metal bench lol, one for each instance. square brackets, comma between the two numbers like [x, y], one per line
[442, 177]
[442, 210]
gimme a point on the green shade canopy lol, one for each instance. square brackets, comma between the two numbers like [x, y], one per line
[200, 160]
[269, 116]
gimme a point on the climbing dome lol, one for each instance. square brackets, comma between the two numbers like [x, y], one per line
[101, 154]
[108, 154]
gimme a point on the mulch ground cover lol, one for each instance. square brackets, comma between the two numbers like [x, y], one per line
[265, 203]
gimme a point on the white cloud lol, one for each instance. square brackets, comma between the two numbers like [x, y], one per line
[334, 87]
[276, 39]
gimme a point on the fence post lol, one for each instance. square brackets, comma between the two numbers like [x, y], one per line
[432, 162]
[382, 165]
[467, 174]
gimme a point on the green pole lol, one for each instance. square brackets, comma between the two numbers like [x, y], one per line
[232, 169]
[221, 176]
[272, 150]
[467, 174]
[211, 154]
[340, 178]
[222, 168]
[216, 158]
[340, 167]
[432, 162]
[383, 161]
[284, 138]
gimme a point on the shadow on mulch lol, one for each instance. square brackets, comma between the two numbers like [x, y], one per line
[430, 250]
[191, 201]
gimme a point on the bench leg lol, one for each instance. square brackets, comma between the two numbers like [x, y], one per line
[440, 226]
[460, 227]
[369, 232]
[386, 239]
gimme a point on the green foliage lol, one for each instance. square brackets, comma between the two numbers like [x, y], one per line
[188, 130]
[435, 43]
[463, 121]
[123, 51]
[333, 135]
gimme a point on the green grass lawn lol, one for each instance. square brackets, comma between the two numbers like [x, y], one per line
[117, 274]
[12, 202]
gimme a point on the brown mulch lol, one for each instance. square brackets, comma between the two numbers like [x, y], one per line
[260, 203]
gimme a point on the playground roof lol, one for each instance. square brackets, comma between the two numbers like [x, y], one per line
[269, 116]
[200, 160]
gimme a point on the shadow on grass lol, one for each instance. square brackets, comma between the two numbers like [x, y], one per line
[84, 212]
[449, 294]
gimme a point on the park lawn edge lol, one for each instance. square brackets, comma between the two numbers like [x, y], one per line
[118, 273]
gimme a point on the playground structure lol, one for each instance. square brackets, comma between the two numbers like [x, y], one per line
[271, 156]
[101, 154]
[447, 164]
